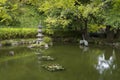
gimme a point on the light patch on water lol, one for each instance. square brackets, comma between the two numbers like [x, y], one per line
[105, 65]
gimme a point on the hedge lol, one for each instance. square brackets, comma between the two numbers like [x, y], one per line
[13, 33]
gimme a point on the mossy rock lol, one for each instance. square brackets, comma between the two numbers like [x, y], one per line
[6, 43]
[46, 58]
[42, 44]
[53, 67]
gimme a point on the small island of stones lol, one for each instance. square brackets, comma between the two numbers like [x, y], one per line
[53, 67]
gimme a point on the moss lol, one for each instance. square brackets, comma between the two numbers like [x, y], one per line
[53, 67]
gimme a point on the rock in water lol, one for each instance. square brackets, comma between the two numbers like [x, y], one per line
[11, 53]
[46, 58]
[46, 46]
[53, 67]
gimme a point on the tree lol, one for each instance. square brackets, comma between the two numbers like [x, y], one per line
[63, 13]
[9, 12]
[111, 17]
[87, 14]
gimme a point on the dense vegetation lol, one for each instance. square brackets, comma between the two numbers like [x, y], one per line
[14, 13]
[84, 16]
[13, 33]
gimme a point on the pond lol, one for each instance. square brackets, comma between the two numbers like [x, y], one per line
[80, 63]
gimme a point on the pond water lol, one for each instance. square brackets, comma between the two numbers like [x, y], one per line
[80, 63]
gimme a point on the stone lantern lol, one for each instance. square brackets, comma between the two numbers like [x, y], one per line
[39, 35]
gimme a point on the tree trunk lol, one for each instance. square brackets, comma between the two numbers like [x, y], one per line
[85, 31]
[118, 34]
[109, 33]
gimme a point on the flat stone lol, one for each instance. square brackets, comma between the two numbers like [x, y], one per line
[53, 67]
[46, 58]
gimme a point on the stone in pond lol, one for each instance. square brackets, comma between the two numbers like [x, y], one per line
[46, 58]
[53, 67]
[11, 53]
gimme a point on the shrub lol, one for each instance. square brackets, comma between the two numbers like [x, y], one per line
[47, 39]
[13, 33]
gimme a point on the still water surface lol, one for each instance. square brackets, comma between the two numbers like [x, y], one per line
[93, 63]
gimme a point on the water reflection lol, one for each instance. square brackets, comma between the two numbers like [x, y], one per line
[84, 48]
[106, 65]
[96, 64]
[39, 53]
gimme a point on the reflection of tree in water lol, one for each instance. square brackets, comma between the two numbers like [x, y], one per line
[106, 66]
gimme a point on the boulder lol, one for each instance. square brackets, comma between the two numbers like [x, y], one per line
[11, 53]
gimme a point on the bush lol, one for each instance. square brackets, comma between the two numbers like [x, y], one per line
[13, 33]
[47, 39]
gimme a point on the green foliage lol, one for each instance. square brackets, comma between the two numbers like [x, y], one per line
[31, 2]
[85, 11]
[29, 18]
[110, 13]
[60, 14]
[84, 1]
[57, 13]
[3, 1]
[113, 14]
[12, 33]
[47, 39]
[68, 13]
[95, 27]
[14, 13]
[9, 12]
